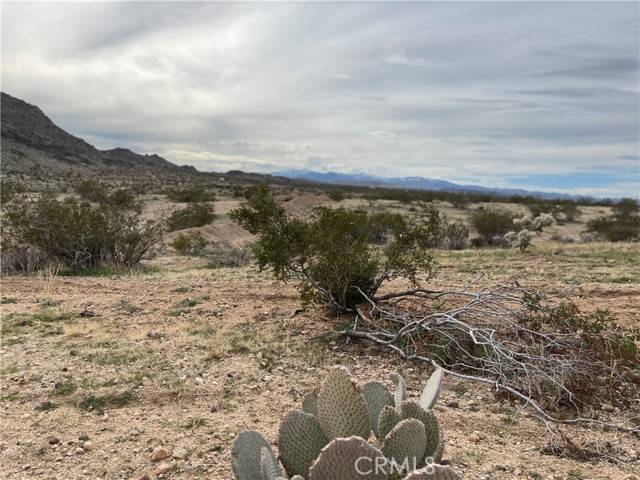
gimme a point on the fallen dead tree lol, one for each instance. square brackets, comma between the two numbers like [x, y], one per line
[560, 362]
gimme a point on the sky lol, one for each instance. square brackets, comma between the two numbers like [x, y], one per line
[540, 95]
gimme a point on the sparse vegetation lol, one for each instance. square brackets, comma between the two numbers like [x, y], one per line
[622, 226]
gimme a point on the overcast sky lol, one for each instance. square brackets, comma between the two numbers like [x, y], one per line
[536, 95]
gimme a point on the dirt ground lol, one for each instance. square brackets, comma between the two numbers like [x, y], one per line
[97, 372]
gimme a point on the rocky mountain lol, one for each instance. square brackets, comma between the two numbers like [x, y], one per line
[32, 142]
[419, 183]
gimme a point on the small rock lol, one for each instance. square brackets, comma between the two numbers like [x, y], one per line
[159, 454]
[163, 468]
[79, 450]
[84, 437]
[180, 453]
[87, 445]
[53, 440]
[26, 467]
[607, 408]
[215, 406]
[453, 404]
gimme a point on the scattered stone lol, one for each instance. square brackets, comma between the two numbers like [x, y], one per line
[79, 451]
[84, 437]
[87, 445]
[159, 454]
[453, 404]
[180, 453]
[164, 468]
[215, 406]
[53, 440]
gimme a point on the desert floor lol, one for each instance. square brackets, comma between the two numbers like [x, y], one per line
[97, 372]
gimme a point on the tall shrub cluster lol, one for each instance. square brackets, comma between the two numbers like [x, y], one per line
[75, 233]
[622, 226]
[338, 256]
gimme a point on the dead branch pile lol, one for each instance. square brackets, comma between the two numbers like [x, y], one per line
[562, 364]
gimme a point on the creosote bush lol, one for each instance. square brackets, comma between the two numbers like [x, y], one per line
[194, 215]
[195, 194]
[491, 224]
[337, 255]
[622, 226]
[77, 234]
[191, 243]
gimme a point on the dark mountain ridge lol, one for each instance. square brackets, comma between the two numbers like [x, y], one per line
[30, 140]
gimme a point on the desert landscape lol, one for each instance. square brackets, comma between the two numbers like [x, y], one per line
[269, 241]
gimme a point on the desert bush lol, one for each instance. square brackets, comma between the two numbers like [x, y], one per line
[124, 199]
[456, 235]
[491, 224]
[536, 224]
[336, 195]
[623, 225]
[626, 207]
[194, 194]
[191, 243]
[194, 215]
[92, 191]
[77, 235]
[331, 255]
[570, 211]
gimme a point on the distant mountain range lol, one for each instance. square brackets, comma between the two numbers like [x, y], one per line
[419, 183]
[32, 142]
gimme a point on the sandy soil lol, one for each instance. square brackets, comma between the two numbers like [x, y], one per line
[97, 372]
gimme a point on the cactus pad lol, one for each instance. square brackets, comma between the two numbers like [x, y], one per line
[432, 389]
[377, 397]
[400, 393]
[405, 445]
[269, 468]
[300, 441]
[389, 418]
[246, 455]
[434, 472]
[411, 409]
[342, 409]
[348, 459]
[310, 403]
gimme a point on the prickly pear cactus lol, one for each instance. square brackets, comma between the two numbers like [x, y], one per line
[310, 403]
[388, 419]
[400, 393]
[246, 455]
[269, 468]
[411, 409]
[377, 397]
[342, 409]
[300, 441]
[331, 443]
[348, 459]
[405, 445]
[432, 389]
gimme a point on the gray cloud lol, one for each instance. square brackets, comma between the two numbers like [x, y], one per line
[464, 91]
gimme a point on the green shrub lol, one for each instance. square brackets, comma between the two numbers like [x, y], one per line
[620, 227]
[76, 234]
[331, 255]
[194, 215]
[626, 207]
[492, 223]
[92, 191]
[191, 243]
[195, 194]
[456, 235]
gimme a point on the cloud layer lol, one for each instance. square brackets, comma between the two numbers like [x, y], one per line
[500, 94]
